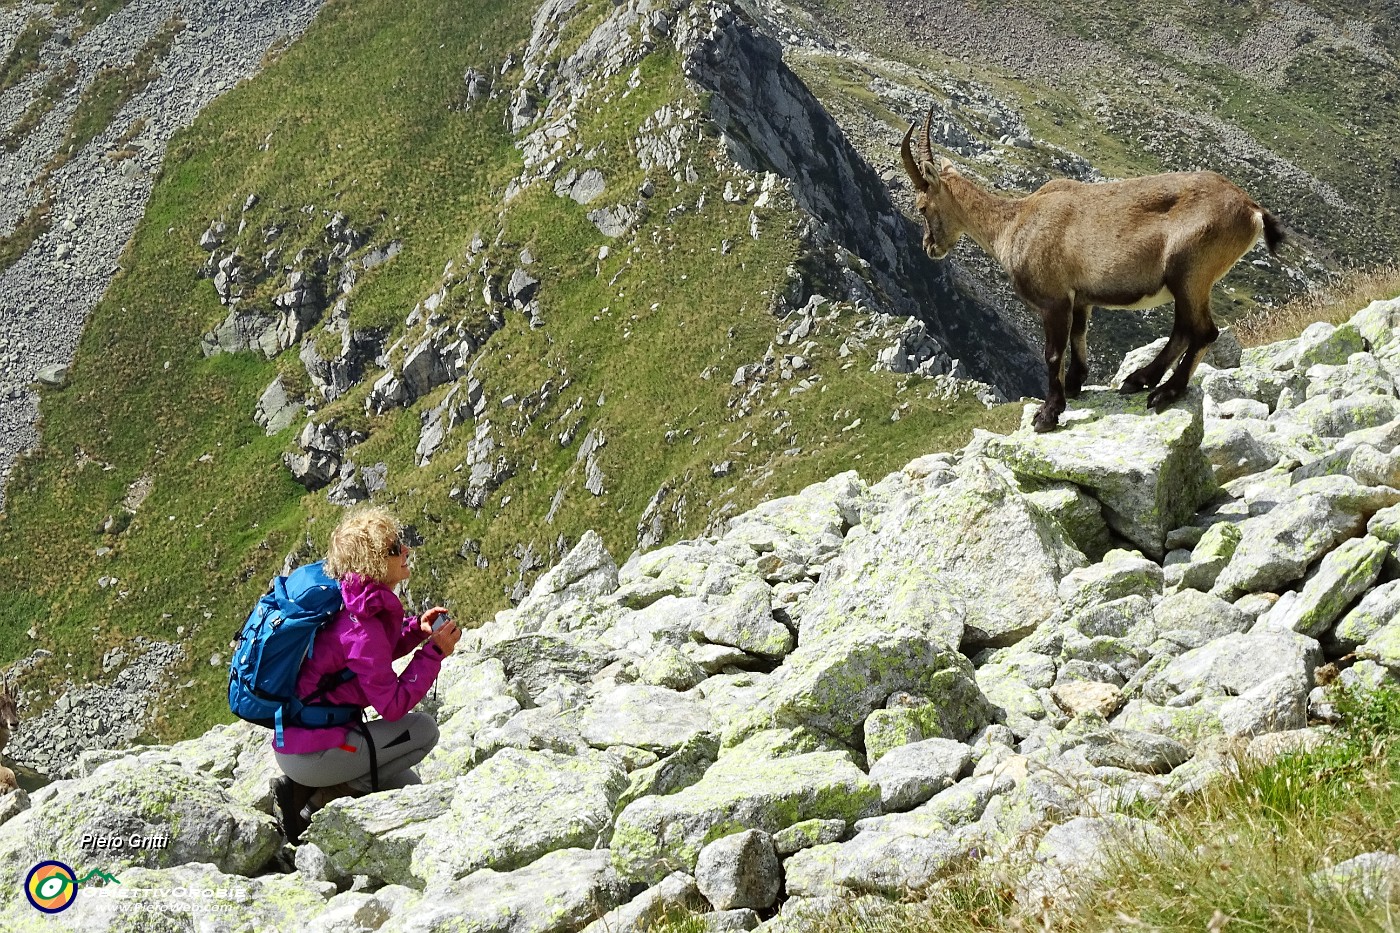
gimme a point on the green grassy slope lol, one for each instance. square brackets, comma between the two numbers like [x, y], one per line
[363, 117]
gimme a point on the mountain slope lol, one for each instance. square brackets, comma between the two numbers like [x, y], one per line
[1296, 102]
[521, 272]
[510, 371]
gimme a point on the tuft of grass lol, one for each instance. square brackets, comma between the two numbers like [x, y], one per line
[120, 150]
[1334, 302]
[52, 91]
[109, 91]
[23, 57]
[30, 227]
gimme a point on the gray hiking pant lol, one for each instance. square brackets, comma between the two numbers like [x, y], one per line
[398, 746]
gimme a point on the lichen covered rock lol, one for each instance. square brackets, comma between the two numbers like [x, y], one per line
[745, 789]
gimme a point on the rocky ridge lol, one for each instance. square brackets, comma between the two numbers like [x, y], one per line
[780, 152]
[852, 692]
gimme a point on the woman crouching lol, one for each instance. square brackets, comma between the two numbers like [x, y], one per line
[370, 558]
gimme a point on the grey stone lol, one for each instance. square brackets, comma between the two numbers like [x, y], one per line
[806, 834]
[1235, 664]
[1342, 575]
[1210, 556]
[1074, 854]
[1370, 876]
[745, 620]
[376, 836]
[562, 890]
[739, 871]
[612, 221]
[654, 718]
[676, 771]
[1276, 548]
[832, 684]
[1278, 704]
[911, 774]
[1234, 451]
[54, 374]
[916, 566]
[1191, 618]
[1119, 574]
[1376, 609]
[892, 864]
[744, 789]
[588, 187]
[676, 894]
[517, 806]
[1383, 647]
[1131, 750]
[537, 660]
[277, 410]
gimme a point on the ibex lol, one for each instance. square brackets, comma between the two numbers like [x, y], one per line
[9, 718]
[1070, 247]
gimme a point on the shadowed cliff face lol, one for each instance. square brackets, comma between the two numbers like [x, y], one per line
[772, 122]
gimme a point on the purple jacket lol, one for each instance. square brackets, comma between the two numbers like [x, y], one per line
[366, 636]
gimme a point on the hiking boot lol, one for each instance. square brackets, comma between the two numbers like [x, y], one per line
[289, 798]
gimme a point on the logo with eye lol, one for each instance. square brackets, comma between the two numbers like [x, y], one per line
[51, 887]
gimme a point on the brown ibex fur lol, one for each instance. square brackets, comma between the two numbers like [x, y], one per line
[9, 718]
[1070, 247]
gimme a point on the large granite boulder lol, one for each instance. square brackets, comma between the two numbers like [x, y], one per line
[180, 817]
[1147, 471]
[971, 561]
[746, 789]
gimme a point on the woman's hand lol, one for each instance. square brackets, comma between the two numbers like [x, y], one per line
[447, 636]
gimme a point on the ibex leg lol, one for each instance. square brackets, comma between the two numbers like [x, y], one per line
[1078, 369]
[1201, 330]
[1150, 375]
[1057, 325]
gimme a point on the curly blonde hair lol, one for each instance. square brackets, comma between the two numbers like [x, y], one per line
[361, 544]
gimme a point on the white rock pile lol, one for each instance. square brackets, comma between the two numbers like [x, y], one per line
[852, 692]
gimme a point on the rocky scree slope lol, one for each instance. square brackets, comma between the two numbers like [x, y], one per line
[850, 692]
[93, 199]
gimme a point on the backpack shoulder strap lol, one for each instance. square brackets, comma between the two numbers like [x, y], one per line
[329, 683]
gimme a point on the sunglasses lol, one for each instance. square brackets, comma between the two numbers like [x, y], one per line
[399, 547]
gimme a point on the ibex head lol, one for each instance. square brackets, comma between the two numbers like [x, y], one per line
[9, 709]
[931, 197]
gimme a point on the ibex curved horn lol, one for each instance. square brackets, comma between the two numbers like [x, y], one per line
[928, 142]
[911, 166]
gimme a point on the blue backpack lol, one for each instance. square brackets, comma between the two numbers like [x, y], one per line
[270, 648]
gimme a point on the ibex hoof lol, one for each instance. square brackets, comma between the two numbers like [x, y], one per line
[1132, 385]
[1161, 398]
[1045, 420]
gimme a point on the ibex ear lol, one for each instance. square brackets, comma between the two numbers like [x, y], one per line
[929, 171]
[945, 166]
